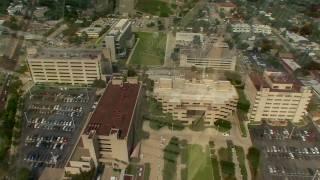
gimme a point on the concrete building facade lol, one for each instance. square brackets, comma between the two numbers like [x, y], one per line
[276, 97]
[119, 39]
[188, 101]
[66, 66]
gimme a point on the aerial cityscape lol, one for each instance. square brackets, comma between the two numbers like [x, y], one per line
[159, 89]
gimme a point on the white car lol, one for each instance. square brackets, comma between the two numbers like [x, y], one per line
[226, 134]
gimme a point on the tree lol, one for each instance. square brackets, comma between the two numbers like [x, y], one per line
[253, 157]
[99, 83]
[222, 14]
[197, 40]
[223, 125]
[193, 68]
[228, 168]
[84, 36]
[131, 72]
[24, 174]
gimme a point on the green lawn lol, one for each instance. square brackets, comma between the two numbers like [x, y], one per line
[154, 7]
[199, 163]
[150, 49]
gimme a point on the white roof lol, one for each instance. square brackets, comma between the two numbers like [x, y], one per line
[209, 91]
[188, 36]
[292, 64]
[295, 37]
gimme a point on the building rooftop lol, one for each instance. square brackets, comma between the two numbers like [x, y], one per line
[119, 27]
[260, 82]
[227, 4]
[280, 78]
[188, 36]
[177, 90]
[59, 53]
[291, 64]
[79, 152]
[115, 110]
[216, 50]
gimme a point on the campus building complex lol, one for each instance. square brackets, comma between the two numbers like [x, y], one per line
[108, 138]
[188, 101]
[119, 39]
[276, 96]
[67, 66]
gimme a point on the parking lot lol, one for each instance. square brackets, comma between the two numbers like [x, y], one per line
[53, 119]
[287, 152]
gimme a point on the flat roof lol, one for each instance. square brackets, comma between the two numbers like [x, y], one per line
[281, 78]
[181, 36]
[291, 64]
[68, 53]
[115, 110]
[259, 82]
[181, 90]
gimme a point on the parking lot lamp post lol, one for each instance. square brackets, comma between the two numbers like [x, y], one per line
[87, 92]
[73, 125]
[291, 132]
[316, 175]
[25, 115]
[30, 93]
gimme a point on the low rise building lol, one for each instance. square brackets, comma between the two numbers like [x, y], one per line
[241, 28]
[226, 7]
[261, 29]
[216, 55]
[188, 101]
[184, 39]
[276, 96]
[119, 39]
[108, 138]
[256, 29]
[66, 66]
[92, 32]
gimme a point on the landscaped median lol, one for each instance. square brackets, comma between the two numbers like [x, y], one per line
[241, 159]
[171, 153]
[253, 157]
[226, 164]
[198, 164]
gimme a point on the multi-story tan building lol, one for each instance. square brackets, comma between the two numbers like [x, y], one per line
[108, 138]
[67, 66]
[188, 101]
[215, 55]
[276, 96]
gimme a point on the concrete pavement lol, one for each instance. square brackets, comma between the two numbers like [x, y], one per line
[152, 150]
[170, 45]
